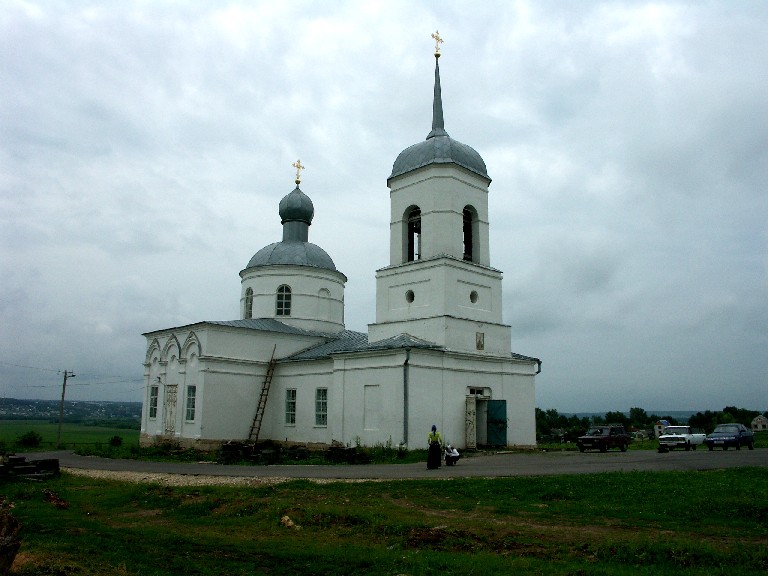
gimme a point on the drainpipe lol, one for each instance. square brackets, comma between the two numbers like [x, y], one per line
[405, 395]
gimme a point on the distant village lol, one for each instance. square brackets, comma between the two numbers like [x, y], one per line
[74, 411]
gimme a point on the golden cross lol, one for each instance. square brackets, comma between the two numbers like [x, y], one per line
[438, 41]
[299, 168]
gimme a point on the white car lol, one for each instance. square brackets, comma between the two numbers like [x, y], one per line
[680, 437]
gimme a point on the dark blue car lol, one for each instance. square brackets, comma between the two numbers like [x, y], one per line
[727, 435]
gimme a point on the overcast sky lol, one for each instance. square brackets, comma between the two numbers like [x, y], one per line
[144, 147]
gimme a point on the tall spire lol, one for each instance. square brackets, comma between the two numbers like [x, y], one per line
[438, 125]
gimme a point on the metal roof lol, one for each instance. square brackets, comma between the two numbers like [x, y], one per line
[262, 324]
[294, 253]
[438, 148]
[351, 341]
[267, 325]
[296, 206]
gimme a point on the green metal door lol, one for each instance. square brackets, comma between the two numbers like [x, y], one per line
[497, 422]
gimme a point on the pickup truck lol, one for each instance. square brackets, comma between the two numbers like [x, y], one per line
[603, 437]
[680, 437]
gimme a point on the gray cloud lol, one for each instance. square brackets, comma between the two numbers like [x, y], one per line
[144, 148]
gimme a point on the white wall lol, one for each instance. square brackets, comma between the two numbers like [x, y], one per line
[365, 391]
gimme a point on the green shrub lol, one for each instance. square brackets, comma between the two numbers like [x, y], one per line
[116, 441]
[29, 439]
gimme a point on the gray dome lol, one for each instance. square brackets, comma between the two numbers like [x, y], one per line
[439, 150]
[292, 253]
[296, 206]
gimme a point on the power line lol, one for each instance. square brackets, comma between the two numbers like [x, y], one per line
[108, 379]
[30, 367]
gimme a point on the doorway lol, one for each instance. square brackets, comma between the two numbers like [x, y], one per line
[485, 422]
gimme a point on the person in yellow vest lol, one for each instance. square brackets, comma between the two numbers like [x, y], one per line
[434, 451]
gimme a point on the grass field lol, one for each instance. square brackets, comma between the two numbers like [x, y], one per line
[675, 523]
[11, 430]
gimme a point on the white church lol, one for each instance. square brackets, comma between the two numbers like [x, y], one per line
[288, 370]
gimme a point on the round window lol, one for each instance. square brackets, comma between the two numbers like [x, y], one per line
[409, 296]
[473, 297]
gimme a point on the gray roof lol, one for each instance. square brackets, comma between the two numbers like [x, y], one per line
[346, 341]
[351, 341]
[292, 252]
[438, 148]
[268, 325]
[263, 324]
[521, 357]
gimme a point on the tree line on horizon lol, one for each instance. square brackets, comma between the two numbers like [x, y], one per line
[556, 427]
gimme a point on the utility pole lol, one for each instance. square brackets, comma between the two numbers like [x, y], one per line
[67, 374]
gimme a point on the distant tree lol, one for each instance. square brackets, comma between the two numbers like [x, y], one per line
[703, 420]
[708, 420]
[725, 418]
[616, 418]
[550, 424]
[741, 415]
[639, 418]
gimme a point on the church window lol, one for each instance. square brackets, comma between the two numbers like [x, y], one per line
[290, 406]
[191, 393]
[414, 234]
[473, 297]
[321, 407]
[284, 300]
[324, 303]
[249, 303]
[153, 394]
[469, 232]
[409, 296]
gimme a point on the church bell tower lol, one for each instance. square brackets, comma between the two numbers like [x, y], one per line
[439, 285]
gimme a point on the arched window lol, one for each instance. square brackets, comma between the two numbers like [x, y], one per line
[249, 303]
[284, 300]
[414, 234]
[467, 235]
[324, 303]
[470, 229]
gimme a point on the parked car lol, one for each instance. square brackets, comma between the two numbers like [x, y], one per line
[727, 435]
[680, 437]
[604, 437]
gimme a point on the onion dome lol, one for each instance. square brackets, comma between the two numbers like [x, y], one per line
[296, 206]
[296, 213]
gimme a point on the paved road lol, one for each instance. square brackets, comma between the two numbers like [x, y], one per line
[481, 465]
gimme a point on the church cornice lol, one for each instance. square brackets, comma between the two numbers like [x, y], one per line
[442, 170]
[439, 260]
[439, 316]
[295, 270]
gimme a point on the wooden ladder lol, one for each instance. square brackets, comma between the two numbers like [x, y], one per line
[253, 435]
